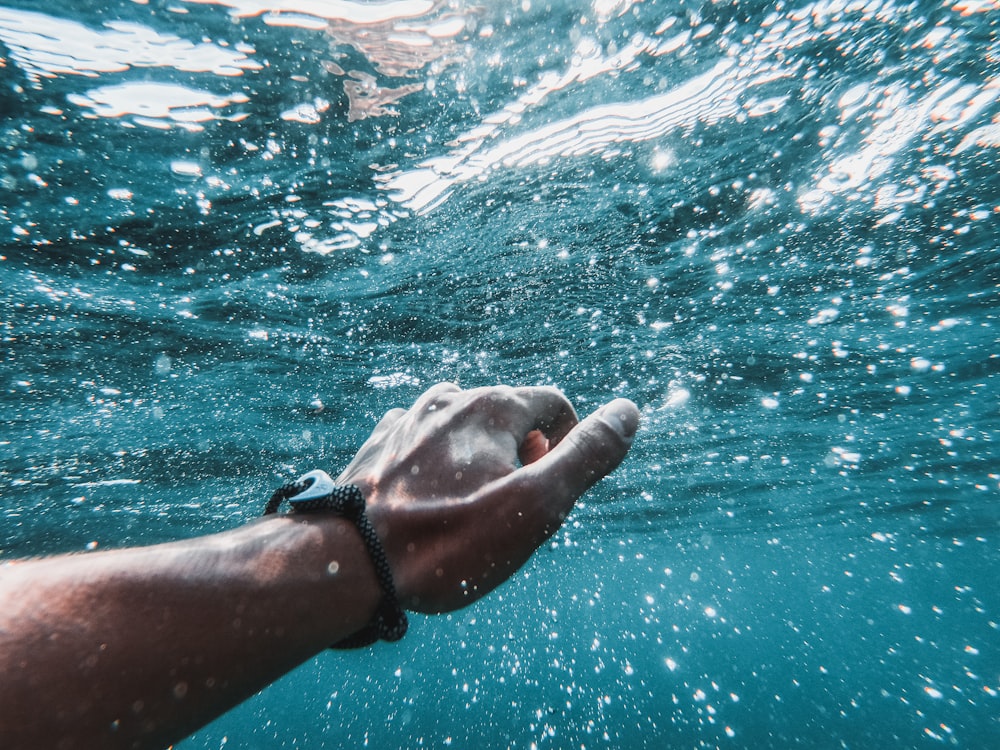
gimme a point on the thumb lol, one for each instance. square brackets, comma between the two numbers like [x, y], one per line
[500, 527]
[588, 453]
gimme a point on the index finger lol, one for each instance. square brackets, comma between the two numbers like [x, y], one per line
[523, 409]
[552, 413]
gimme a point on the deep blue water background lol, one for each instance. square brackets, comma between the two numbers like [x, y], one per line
[772, 225]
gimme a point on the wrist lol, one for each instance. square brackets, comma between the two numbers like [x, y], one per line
[315, 573]
[315, 492]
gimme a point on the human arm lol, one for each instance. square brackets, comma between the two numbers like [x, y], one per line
[139, 647]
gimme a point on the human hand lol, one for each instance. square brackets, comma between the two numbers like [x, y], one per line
[465, 485]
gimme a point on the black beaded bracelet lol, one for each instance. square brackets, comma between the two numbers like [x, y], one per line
[316, 491]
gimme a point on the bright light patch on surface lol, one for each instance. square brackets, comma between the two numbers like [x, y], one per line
[150, 103]
[46, 46]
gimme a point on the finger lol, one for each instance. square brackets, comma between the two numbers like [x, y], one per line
[535, 446]
[548, 411]
[388, 420]
[519, 411]
[589, 452]
[436, 396]
[506, 416]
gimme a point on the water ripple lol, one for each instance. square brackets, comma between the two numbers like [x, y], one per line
[45, 46]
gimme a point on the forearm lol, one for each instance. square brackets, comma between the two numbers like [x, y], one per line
[139, 647]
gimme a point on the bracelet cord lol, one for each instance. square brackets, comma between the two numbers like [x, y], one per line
[389, 622]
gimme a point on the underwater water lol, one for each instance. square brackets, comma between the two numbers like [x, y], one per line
[233, 233]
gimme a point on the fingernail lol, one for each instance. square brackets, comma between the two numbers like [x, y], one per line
[623, 415]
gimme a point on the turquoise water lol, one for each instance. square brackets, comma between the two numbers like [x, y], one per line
[234, 232]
